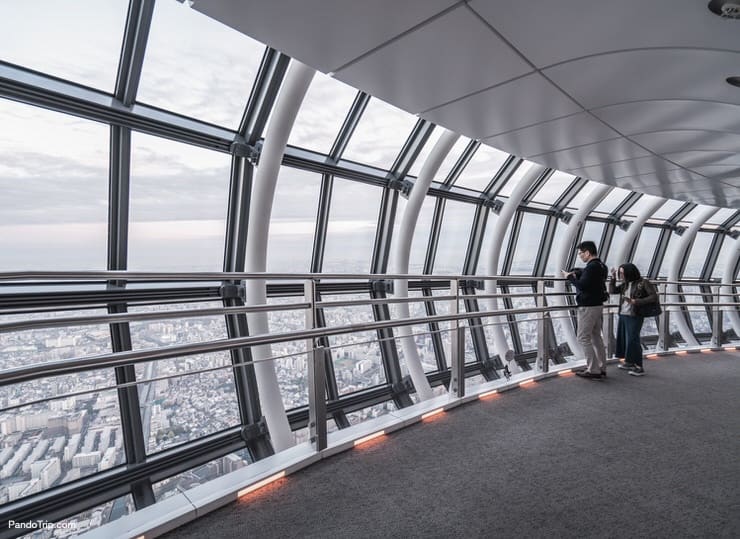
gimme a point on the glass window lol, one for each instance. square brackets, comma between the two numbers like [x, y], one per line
[425, 151]
[484, 260]
[353, 221]
[668, 209]
[721, 216]
[592, 231]
[504, 249]
[292, 362]
[552, 262]
[697, 313]
[553, 188]
[515, 178]
[526, 322]
[691, 216]
[179, 198]
[610, 203]
[370, 413]
[698, 254]
[181, 404]
[638, 207]
[421, 335]
[93, 518]
[673, 240]
[617, 240]
[197, 66]
[452, 158]
[420, 241]
[380, 135]
[725, 252]
[454, 235]
[77, 40]
[481, 168]
[528, 244]
[646, 244]
[322, 114]
[293, 221]
[581, 196]
[357, 360]
[54, 184]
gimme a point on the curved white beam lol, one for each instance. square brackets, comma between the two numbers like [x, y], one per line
[727, 278]
[633, 232]
[402, 253]
[562, 253]
[680, 252]
[286, 108]
[497, 239]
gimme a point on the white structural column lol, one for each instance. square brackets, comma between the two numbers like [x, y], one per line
[634, 230]
[289, 101]
[562, 253]
[497, 241]
[403, 252]
[727, 278]
[680, 252]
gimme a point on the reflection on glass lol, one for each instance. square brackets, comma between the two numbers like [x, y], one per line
[698, 255]
[185, 404]
[457, 223]
[380, 135]
[77, 40]
[357, 360]
[179, 197]
[322, 113]
[212, 66]
[553, 188]
[528, 243]
[481, 168]
[94, 518]
[201, 474]
[353, 220]
[54, 184]
[645, 249]
[293, 221]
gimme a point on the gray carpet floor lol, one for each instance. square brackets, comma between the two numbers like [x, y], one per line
[656, 456]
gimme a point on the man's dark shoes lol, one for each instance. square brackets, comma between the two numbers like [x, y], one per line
[626, 366]
[591, 375]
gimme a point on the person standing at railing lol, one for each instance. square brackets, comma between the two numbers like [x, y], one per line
[634, 291]
[590, 283]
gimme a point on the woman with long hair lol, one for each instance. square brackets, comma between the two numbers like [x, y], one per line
[633, 291]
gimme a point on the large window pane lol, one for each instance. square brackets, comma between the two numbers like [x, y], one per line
[668, 209]
[515, 178]
[452, 157]
[197, 66]
[673, 240]
[484, 259]
[481, 168]
[293, 221]
[179, 196]
[638, 207]
[592, 231]
[721, 216]
[420, 241]
[380, 135]
[526, 322]
[77, 40]
[322, 113]
[180, 404]
[698, 254]
[645, 249]
[292, 362]
[553, 188]
[425, 151]
[454, 235]
[353, 220]
[581, 196]
[611, 256]
[610, 203]
[724, 256]
[528, 243]
[54, 184]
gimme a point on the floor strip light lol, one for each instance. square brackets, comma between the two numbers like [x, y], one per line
[526, 383]
[432, 413]
[566, 373]
[706, 350]
[369, 437]
[681, 353]
[488, 394]
[260, 484]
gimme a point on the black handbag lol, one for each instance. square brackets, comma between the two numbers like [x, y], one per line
[648, 310]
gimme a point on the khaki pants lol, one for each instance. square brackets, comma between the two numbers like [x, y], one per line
[589, 337]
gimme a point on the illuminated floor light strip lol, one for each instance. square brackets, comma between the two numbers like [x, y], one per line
[566, 373]
[729, 348]
[681, 353]
[488, 394]
[652, 356]
[706, 350]
[432, 413]
[526, 383]
[260, 484]
[369, 437]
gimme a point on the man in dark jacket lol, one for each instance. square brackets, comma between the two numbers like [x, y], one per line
[590, 283]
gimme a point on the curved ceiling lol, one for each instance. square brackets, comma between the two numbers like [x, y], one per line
[629, 93]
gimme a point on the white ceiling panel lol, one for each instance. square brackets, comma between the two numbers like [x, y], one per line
[401, 71]
[525, 101]
[326, 34]
[724, 173]
[592, 154]
[608, 79]
[668, 179]
[548, 31]
[704, 158]
[670, 141]
[648, 116]
[607, 172]
[554, 135]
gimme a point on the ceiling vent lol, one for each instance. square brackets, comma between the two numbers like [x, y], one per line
[727, 9]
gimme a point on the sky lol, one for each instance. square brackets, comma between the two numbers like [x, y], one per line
[54, 167]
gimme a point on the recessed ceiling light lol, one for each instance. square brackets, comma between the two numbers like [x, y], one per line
[727, 9]
[735, 81]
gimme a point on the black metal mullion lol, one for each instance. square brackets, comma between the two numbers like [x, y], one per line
[135, 37]
[267, 84]
[503, 175]
[350, 124]
[461, 163]
[411, 149]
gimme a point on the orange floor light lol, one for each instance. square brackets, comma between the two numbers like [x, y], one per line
[369, 437]
[432, 413]
[566, 373]
[259, 484]
[526, 383]
[491, 393]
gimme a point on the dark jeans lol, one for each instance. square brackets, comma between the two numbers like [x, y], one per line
[628, 339]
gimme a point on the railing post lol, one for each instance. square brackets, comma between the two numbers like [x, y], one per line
[717, 318]
[608, 328]
[663, 323]
[457, 346]
[543, 344]
[316, 374]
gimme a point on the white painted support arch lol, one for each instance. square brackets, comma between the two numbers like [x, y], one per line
[402, 253]
[727, 278]
[286, 108]
[633, 232]
[677, 256]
